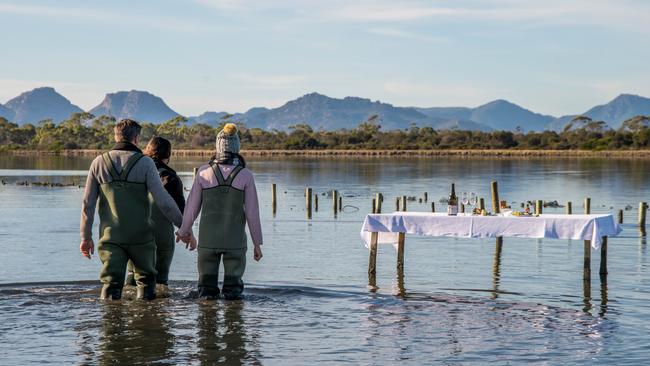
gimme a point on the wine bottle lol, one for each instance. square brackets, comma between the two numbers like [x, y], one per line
[452, 205]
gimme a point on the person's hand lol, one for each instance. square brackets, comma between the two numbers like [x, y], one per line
[87, 247]
[184, 238]
[257, 252]
[191, 245]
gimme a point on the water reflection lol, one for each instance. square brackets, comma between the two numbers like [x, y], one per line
[496, 268]
[222, 337]
[135, 333]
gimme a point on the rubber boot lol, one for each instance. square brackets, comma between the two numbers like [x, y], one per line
[111, 293]
[208, 293]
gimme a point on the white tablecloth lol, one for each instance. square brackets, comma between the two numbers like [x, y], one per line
[552, 226]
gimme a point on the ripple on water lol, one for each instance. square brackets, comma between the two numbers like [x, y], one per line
[300, 323]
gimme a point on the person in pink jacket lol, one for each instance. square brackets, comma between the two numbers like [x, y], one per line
[224, 193]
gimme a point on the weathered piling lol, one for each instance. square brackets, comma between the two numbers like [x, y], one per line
[340, 203]
[274, 198]
[433, 207]
[586, 273]
[620, 216]
[495, 198]
[308, 202]
[426, 197]
[603, 257]
[377, 203]
[481, 204]
[195, 171]
[643, 207]
[372, 260]
[397, 204]
[538, 207]
[315, 202]
[403, 203]
[569, 208]
[335, 201]
[400, 251]
[374, 206]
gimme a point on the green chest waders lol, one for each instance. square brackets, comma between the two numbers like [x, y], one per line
[163, 231]
[125, 231]
[222, 234]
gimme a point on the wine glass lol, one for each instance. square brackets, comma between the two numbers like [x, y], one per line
[472, 200]
[465, 199]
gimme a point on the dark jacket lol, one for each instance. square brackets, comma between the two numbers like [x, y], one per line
[172, 183]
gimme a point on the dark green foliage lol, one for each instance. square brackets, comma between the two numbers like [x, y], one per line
[85, 131]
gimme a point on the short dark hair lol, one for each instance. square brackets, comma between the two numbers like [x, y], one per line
[127, 130]
[158, 148]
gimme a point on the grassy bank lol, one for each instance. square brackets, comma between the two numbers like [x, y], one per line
[382, 153]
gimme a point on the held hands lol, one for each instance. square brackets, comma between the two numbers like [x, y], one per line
[87, 247]
[189, 240]
[257, 252]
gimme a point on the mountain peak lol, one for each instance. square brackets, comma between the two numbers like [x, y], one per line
[39, 104]
[620, 109]
[134, 104]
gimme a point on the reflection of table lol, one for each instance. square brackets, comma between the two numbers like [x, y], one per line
[390, 228]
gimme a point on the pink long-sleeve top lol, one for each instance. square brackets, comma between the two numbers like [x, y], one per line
[204, 179]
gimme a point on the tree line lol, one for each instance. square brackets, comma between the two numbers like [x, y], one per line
[85, 131]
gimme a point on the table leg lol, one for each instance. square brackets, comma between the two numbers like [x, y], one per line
[400, 252]
[372, 260]
[603, 257]
[586, 273]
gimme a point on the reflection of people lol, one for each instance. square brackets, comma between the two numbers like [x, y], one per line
[122, 179]
[222, 341]
[224, 191]
[135, 334]
[160, 149]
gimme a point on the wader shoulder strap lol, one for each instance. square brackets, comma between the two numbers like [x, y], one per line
[233, 175]
[110, 166]
[130, 164]
[217, 173]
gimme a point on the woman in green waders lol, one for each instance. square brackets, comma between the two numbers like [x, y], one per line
[160, 150]
[225, 194]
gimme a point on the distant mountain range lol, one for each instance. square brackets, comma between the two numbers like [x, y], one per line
[323, 112]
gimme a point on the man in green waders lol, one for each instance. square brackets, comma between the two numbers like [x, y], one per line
[122, 179]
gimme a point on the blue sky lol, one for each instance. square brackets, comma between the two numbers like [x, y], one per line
[554, 57]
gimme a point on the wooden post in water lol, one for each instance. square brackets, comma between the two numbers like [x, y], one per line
[403, 203]
[586, 273]
[495, 198]
[195, 171]
[603, 257]
[433, 207]
[372, 260]
[335, 201]
[374, 206]
[308, 198]
[643, 207]
[426, 197]
[620, 216]
[538, 207]
[400, 252]
[481, 204]
[316, 202]
[274, 198]
[377, 206]
[340, 203]
[569, 209]
[397, 204]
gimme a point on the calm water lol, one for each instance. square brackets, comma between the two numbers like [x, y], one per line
[307, 300]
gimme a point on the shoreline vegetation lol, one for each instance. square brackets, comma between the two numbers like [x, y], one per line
[85, 134]
[492, 153]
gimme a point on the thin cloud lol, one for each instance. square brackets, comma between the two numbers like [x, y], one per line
[268, 81]
[397, 33]
[89, 15]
